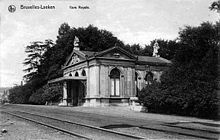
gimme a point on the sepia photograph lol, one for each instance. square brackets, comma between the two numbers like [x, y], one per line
[109, 69]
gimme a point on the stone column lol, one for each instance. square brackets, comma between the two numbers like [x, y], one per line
[64, 93]
[88, 83]
[98, 81]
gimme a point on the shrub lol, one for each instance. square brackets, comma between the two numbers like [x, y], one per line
[36, 97]
[20, 94]
[53, 93]
[46, 94]
[197, 98]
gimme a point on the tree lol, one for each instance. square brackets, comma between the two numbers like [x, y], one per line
[64, 29]
[189, 87]
[35, 70]
[35, 55]
[135, 49]
[215, 6]
[20, 94]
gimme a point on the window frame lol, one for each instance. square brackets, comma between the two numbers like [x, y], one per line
[115, 82]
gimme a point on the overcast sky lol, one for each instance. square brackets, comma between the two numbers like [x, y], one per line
[132, 21]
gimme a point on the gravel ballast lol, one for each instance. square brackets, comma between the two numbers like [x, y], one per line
[18, 129]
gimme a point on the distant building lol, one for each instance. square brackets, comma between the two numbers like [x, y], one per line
[109, 77]
[4, 93]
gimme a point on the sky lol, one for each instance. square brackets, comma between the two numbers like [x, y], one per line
[132, 21]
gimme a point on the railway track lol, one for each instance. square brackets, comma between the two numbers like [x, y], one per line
[98, 133]
[184, 131]
[79, 130]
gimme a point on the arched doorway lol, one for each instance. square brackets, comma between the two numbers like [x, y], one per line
[115, 82]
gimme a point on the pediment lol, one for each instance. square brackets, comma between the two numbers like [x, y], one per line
[116, 52]
[74, 58]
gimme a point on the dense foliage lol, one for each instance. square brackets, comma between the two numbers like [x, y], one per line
[189, 87]
[20, 94]
[46, 94]
[215, 6]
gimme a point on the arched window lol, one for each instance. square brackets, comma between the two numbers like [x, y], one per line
[149, 78]
[83, 73]
[76, 74]
[115, 80]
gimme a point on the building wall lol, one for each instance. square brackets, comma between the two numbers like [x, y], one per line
[93, 82]
[98, 84]
[126, 85]
[98, 80]
[129, 82]
[104, 81]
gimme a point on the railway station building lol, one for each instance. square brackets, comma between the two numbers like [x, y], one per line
[109, 77]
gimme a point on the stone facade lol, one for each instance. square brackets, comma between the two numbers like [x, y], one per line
[110, 77]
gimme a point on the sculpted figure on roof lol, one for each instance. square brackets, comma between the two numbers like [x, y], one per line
[156, 48]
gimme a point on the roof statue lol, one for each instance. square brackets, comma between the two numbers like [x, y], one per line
[156, 48]
[76, 43]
